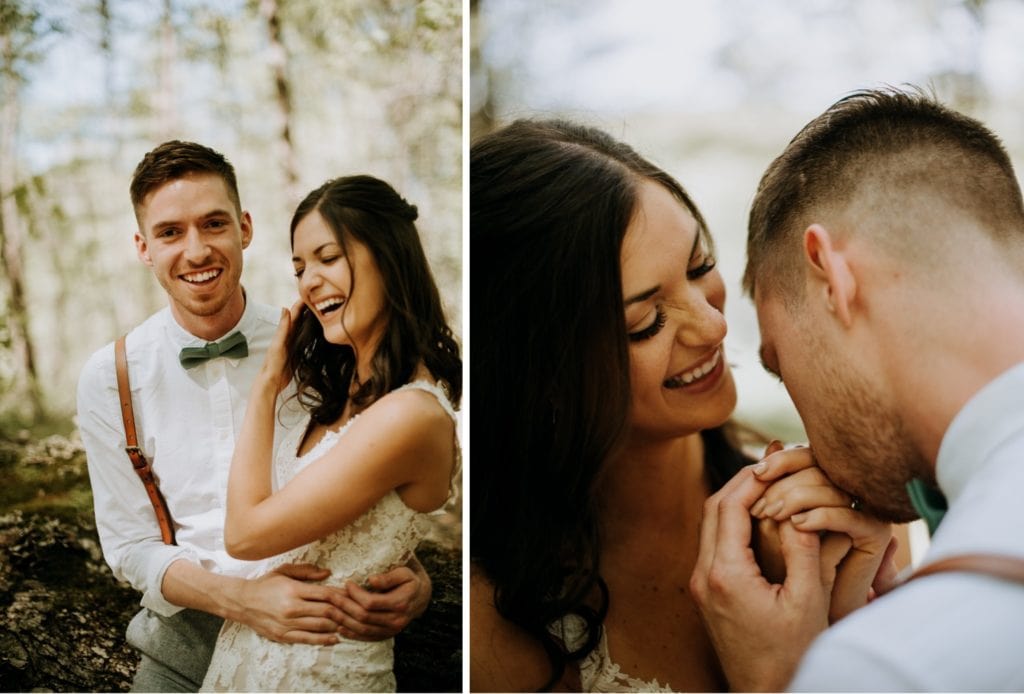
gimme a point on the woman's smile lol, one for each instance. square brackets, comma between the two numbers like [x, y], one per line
[700, 377]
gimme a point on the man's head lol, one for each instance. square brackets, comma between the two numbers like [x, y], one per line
[873, 218]
[176, 159]
[191, 234]
[874, 154]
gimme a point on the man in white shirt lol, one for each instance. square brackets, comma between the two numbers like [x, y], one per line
[886, 260]
[192, 231]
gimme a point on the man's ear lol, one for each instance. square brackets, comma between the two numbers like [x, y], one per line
[246, 223]
[830, 272]
[142, 249]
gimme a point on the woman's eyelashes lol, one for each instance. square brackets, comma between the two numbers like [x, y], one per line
[707, 265]
[651, 330]
[329, 260]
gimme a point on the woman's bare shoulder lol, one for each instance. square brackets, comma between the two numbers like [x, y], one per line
[413, 422]
[410, 405]
[503, 657]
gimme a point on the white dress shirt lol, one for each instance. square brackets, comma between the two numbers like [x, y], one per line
[948, 631]
[187, 421]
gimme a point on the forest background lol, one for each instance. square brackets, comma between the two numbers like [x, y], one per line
[293, 92]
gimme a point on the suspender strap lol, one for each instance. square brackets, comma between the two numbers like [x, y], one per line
[135, 454]
[1009, 568]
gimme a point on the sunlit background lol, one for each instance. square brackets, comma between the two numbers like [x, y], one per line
[712, 90]
[292, 91]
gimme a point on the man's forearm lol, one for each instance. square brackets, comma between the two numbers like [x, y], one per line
[189, 585]
[284, 605]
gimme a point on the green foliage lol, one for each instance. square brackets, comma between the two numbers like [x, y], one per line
[14, 429]
[24, 27]
[36, 207]
[46, 475]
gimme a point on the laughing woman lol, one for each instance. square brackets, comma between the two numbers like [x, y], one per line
[602, 396]
[378, 372]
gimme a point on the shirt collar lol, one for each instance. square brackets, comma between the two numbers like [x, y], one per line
[990, 417]
[178, 337]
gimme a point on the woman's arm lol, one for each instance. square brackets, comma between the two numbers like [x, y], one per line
[404, 441]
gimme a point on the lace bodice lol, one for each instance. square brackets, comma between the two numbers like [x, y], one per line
[382, 538]
[598, 672]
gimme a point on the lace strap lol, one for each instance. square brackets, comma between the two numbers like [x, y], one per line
[438, 390]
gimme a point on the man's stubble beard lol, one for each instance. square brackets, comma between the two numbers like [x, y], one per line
[863, 447]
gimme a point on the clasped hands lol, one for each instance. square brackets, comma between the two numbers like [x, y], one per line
[782, 555]
[289, 605]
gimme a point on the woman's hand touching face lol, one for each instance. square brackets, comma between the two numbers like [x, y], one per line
[275, 369]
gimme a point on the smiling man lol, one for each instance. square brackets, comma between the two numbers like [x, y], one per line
[886, 260]
[191, 235]
[189, 401]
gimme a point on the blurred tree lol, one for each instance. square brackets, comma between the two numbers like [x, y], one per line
[22, 31]
[277, 60]
[165, 96]
[368, 86]
[481, 94]
[504, 36]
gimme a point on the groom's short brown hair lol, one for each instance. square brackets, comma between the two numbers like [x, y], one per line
[870, 161]
[175, 159]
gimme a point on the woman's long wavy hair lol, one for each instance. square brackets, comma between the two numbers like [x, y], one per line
[550, 202]
[370, 211]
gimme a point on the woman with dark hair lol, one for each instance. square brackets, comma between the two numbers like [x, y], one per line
[601, 403]
[378, 373]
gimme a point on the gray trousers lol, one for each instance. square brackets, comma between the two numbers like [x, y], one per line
[176, 650]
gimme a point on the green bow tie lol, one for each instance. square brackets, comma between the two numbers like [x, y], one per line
[234, 346]
[929, 502]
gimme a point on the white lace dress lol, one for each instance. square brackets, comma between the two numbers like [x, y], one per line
[382, 538]
[598, 672]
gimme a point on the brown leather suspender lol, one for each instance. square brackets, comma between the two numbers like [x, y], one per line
[1009, 568]
[135, 454]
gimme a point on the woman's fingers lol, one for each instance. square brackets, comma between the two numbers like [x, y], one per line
[275, 365]
[797, 492]
[855, 550]
[868, 534]
[779, 463]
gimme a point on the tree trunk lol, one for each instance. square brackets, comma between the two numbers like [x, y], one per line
[278, 59]
[26, 382]
[166, 110]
